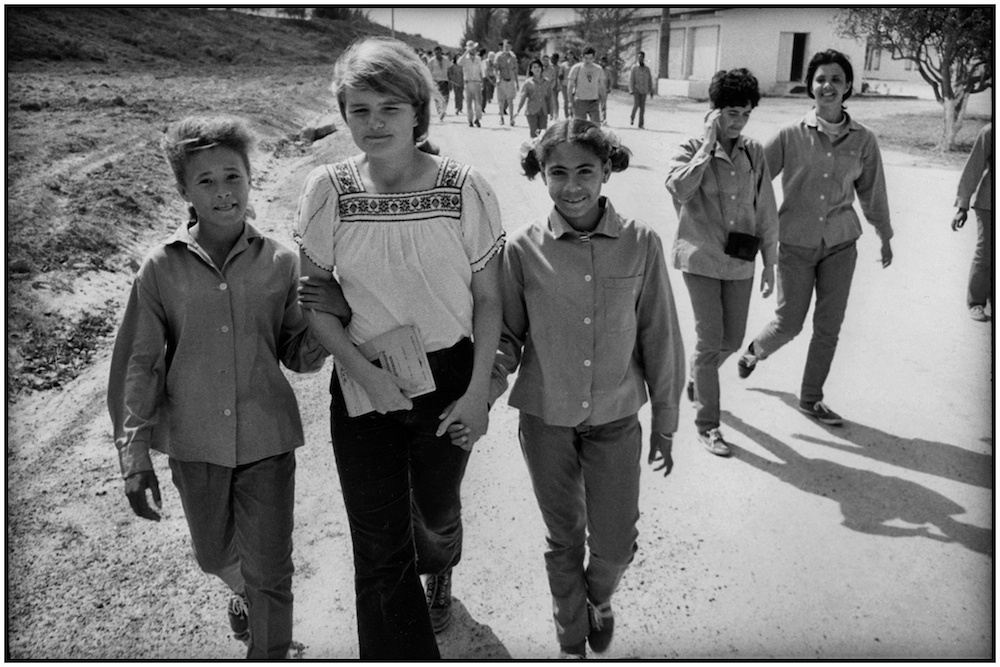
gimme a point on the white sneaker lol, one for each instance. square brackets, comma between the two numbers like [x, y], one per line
[978, 313]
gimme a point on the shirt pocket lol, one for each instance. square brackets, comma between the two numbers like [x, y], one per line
[620, 296]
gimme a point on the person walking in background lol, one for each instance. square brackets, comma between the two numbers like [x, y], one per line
[550, 72]
[195, 374]
[557, 84]
[587, 88]
[438, 66]
[608, 84]
[722, 192]
[456, 79]
[472, 71]
[507, 81]
[414, 240]
[588, 310]
[640, 84]
[489, 75]
[975, 190]
[564, 69]
[823, 159]
[537, 93]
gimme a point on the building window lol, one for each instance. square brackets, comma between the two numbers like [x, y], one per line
[873, 58]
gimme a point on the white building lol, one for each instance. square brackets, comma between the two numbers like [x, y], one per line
[775, 43]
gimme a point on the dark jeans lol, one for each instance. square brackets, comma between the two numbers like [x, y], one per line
[443, 88]
[401, 487]
[241, 530]
[801, 271]
[981, 271]
[586, 481]
[639, 104]
[720, 321]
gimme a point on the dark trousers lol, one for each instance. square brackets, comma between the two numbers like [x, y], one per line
[720, 321]
[401, 487]
[828, 272]
[586, 481]
[442, 105]
[639, 104]
[241, 530]
[981, 271]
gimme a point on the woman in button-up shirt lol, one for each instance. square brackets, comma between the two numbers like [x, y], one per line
[721, 184]
[824, 160]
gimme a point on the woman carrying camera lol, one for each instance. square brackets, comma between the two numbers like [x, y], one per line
[725, 206]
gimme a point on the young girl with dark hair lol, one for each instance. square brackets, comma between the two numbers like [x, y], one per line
[589, 316]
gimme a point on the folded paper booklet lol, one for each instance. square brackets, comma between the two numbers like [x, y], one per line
[401, 352]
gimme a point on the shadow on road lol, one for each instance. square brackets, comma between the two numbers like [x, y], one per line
[932, 458]
[868, 500]
[466, 639]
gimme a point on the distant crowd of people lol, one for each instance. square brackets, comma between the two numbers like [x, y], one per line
[578, 302]
[472, 78]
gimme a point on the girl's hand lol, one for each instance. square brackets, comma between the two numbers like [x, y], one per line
[459, 434]
[712, 128]
[385, 390]
[961, 215]
[886, 253]
[767, 281]
[472, 413]
[661, 447]
[324, 296]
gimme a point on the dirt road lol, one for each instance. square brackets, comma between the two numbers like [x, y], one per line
[874, 540]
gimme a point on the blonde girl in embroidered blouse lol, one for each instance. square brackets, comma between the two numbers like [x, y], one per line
[413, 240]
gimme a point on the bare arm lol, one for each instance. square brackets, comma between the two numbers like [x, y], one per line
[382, 387]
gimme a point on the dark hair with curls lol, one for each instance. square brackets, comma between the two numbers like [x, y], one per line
[582, 133]
[829, 57]
[735, 88]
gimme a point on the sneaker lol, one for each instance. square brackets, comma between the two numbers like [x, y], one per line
[439, 600]
[690, 390]
[501, 120]
[978, 313]
[477, 124]
[747, 362]
[602, 626]
[631, 121]
[512, 122]
[470, 123]
[238, 609]
[574, 652]
[819, 411]
[714, 442]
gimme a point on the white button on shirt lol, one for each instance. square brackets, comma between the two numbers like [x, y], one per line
[223, 286]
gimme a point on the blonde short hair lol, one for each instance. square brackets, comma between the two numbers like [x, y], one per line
[389, 67]
[196, 133]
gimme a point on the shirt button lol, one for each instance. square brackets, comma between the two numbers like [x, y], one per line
[223, 286]
[585, 404]
[227, 412]
[225, 329]
[732, 173]
[732, 222]
[586, 320]
[826, 175]
[732, 196]
[587, 278]
[829, 154]
[586, 362]
[821, 218]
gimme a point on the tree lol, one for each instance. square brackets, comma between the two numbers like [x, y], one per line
[483, 27]
[607, 30]
[951, 46]
[664, 70]
[521, 28]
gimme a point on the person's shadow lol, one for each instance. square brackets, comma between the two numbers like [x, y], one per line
[933, 458]
[868, 500]
[467, 639]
